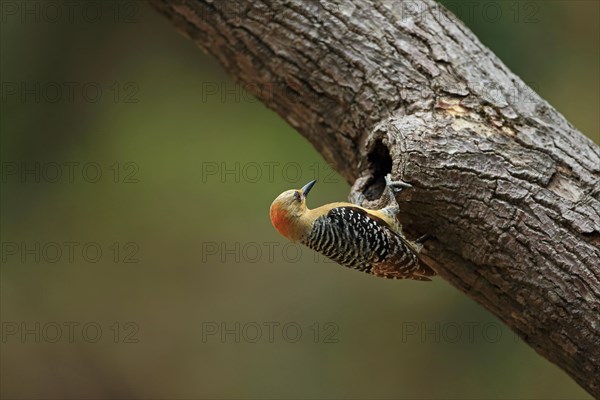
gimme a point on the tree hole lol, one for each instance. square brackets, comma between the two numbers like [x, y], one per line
[380, 163]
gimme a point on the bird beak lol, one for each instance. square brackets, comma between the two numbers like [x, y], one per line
[306, 188]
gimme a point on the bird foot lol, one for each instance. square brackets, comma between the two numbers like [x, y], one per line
[393, 188]
[396, 186]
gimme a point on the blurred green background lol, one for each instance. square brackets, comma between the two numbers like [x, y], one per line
[191, 271]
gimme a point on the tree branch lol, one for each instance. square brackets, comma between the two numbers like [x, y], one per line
[509, 188]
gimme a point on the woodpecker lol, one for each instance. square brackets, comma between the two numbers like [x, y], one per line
[355, 237]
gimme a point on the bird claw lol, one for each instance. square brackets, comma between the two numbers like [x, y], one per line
[396, 186]
[392, 187]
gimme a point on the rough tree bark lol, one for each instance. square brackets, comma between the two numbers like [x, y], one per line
[509, 188]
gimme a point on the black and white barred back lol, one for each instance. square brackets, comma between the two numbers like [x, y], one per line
[355, 239]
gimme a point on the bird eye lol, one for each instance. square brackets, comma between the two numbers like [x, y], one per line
[297, 196]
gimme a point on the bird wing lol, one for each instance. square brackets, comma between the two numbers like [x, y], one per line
[358, 239]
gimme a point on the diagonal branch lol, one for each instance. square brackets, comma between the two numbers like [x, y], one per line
[509, 188]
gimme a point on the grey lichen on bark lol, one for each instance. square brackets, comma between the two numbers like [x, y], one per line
[508, 187]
